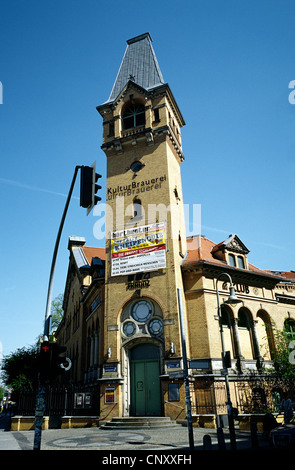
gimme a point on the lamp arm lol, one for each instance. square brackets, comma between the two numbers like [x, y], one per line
[223, 274]
[217, 292]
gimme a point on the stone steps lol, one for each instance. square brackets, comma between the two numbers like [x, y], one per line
[140, 422]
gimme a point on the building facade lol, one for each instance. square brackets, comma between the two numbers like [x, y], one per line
[121, 320]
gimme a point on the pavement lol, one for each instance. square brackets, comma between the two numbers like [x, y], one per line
[171, 440]
[7, 439]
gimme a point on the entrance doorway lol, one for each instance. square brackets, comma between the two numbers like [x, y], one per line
[145, 386]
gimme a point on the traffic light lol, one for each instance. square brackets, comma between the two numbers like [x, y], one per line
[89, 188]
[86, 186]
[57, 361]
[45, 361]
[52, 363]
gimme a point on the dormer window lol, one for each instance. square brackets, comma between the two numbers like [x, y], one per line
[231, 260]
[232, 251]
[237, 261]
[241, 263]
[134, 116]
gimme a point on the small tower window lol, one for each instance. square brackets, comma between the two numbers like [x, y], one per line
[156, 115]
[137, 208]
[111, 129]
[134, 116]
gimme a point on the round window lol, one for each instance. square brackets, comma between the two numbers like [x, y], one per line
[129, 328]
[156, 327]
[141, 311]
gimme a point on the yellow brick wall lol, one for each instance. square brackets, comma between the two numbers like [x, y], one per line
[204, 330]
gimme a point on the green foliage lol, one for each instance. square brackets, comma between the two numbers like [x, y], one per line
[20, 369]
[56, 312]
[282, 367]
[2, 391]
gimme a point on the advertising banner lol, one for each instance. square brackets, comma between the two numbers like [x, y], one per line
[138, 249]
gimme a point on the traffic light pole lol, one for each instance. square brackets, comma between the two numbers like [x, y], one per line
[185, 372]
[40, 404]
[49, 294]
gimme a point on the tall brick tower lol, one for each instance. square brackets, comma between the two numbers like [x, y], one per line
[145, 229]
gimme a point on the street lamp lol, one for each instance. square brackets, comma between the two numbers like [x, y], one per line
[232, 300]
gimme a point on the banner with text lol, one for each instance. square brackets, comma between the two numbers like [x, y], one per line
[138, 249]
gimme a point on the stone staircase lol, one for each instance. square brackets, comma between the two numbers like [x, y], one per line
[135, 422]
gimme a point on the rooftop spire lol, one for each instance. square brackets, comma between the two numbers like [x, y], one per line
[139, 64]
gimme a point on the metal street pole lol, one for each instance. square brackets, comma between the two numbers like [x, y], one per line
[49, 294]
[40, 403]
[232, 299]
[185, 371]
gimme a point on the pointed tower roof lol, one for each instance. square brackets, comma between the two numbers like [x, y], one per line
[139, 64]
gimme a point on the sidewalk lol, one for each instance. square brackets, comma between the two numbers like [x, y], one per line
[120, 440]
[7, 439]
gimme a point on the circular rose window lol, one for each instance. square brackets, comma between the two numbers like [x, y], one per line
[141, 311]
[129, 328]
[156, 327]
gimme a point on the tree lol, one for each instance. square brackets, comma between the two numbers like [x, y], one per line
[20, 369]
[56, 312]
[2, 391]
[282, 366]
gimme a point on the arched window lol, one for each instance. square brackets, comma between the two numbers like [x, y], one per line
[265, 334]
[247, 334]
[243, 319]
[225, 319]
[134, 116]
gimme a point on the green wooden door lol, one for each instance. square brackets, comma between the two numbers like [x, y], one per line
[145, 387]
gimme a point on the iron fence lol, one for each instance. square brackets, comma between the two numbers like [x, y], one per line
[70, 400]
[208, 397]
[258, 395]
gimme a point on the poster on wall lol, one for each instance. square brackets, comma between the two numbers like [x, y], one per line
[109, 395]
[138, 249]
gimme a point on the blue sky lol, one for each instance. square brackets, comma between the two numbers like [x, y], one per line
[228, 63]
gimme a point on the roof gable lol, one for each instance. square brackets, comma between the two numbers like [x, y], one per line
[232, 243]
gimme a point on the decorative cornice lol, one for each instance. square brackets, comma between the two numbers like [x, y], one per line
[141, 133]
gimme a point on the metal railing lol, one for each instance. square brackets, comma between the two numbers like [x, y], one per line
[70, 400]
[248, 396]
